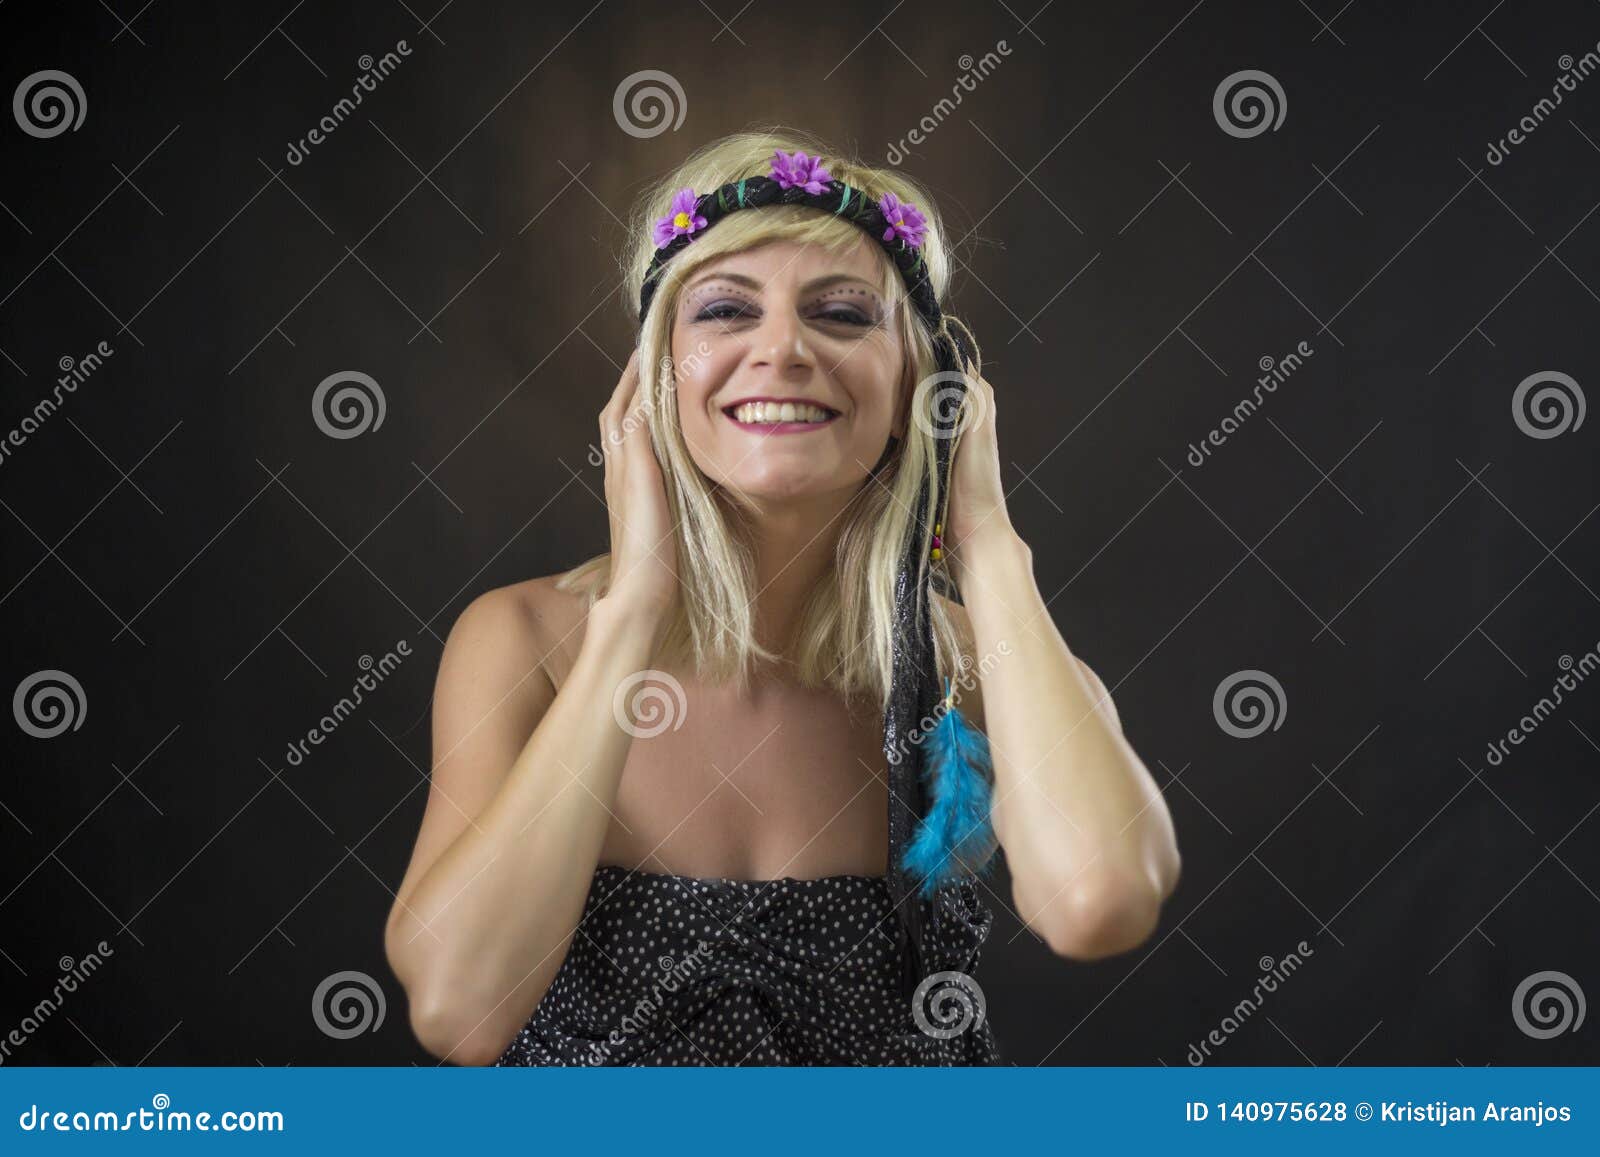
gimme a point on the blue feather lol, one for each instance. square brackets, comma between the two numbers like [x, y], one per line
[956, 838]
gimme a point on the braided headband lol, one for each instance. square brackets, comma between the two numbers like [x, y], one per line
[939, 772]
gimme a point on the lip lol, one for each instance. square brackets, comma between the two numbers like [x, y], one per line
[770, 428]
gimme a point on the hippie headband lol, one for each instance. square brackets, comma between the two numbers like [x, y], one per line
[939, 766]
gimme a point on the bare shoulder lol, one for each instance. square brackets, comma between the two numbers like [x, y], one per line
[515, 631]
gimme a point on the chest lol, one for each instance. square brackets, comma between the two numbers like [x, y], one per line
[779, 780]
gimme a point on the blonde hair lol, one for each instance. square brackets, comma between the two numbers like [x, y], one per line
[844, 637]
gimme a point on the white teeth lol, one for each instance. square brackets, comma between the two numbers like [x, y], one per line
[765, 413]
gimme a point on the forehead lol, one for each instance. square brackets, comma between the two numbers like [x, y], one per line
[798, 263]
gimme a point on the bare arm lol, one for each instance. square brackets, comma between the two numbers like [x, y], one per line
[514, 824]
[1086, 832]
[525, 779]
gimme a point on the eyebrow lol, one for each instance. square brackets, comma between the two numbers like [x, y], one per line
[813, 284]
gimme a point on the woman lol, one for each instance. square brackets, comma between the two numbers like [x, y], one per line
[656, 832]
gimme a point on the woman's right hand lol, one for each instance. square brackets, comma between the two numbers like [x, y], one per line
[644, 570]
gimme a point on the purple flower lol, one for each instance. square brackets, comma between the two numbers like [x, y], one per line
[791, 169]
[905, 220]
[680, 219]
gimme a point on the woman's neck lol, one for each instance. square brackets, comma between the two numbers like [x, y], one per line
[794, 544]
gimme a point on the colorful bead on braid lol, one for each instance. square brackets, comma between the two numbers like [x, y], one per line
[938, 543]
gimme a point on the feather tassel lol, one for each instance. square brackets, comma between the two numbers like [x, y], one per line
[956, 838]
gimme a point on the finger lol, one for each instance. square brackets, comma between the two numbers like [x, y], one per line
[611, 416]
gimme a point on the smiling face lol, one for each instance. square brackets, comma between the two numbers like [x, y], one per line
[789, 364]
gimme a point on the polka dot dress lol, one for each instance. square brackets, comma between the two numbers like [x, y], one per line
[679, 970]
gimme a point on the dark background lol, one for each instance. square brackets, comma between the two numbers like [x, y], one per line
[1382, 537]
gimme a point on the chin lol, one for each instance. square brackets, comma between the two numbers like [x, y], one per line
[780, 481]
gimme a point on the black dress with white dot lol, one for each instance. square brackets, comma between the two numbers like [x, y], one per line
[681, 970]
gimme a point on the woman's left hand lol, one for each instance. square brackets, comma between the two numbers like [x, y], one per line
[977, 508]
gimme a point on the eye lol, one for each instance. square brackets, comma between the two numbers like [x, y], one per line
[722, 311]
[848, 314]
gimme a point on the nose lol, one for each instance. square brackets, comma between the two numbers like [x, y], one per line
[780, 341]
